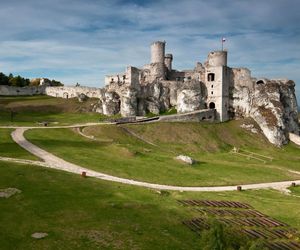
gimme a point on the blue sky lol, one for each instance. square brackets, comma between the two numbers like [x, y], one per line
[83, 40]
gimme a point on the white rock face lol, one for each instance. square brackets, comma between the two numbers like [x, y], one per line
[111, 103]
[128, 102]
[185, 159]
[294, 138]
[189, 97]
[272, 104]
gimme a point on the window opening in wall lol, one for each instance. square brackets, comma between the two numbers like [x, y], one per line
[212, 86]
[211, 77]
[212, 105]
[260, 82]
[212, 92]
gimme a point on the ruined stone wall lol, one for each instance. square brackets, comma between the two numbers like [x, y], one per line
[197, 116]
[168, 61]
[21, 91]
[72, 92]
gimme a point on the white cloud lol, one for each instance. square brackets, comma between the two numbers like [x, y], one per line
[77, 40]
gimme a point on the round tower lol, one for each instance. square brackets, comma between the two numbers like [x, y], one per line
[217, 58]
[168, 61]
[158, 52]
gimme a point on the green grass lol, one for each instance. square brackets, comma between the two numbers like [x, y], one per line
[119, 154]
[8, 148]
[88, 213]
[28, 111]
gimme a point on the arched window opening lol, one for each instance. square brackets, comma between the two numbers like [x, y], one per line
[212, 105]
[212, 92]
[211, 77]
[260, 82]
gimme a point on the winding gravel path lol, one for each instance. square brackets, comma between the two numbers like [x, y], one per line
[52, 161]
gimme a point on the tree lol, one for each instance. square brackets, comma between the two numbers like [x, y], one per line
[56, 83]
[220, 237]
[3, 79]
[214, 238]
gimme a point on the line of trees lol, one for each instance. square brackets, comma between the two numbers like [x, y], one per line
[11, 80]
[18, 81]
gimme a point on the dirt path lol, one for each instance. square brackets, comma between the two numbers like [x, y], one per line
[79, 125]
[55, 162]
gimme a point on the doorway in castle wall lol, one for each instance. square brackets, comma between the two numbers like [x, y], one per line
[212, 105]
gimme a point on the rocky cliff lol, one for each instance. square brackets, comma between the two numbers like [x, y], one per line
[272, 104]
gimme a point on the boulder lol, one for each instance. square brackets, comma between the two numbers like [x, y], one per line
[185, 159]
[39, 235]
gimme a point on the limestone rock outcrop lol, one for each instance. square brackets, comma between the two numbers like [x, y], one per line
[272, 104]
[189, 97]
[111, 103]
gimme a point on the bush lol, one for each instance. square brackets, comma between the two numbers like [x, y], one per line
[220, 237]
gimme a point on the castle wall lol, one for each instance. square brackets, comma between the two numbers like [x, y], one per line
[21, 91]
[133, 76]
[241, 77]
[72, 92]
[116, 78]
[196, 116]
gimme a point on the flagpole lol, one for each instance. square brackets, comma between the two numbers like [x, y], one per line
[223, 40]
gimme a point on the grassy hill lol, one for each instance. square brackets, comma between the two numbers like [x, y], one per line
[87, 213]
[114, 151]
[30, 110]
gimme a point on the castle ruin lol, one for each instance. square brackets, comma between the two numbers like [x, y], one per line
[157, 86]
[210, 91]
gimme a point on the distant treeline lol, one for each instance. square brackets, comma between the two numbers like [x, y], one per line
[19, 81]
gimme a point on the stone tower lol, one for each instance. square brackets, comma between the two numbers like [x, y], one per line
[157, 66]
[168, 61]
[217, 82]
[158, 52]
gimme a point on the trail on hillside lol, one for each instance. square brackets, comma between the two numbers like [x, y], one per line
[52, 161]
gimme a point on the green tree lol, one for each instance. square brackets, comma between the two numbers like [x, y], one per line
[56, 83]
[3, 79]
[214, 238]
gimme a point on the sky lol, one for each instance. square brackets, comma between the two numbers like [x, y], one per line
[84, 40]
